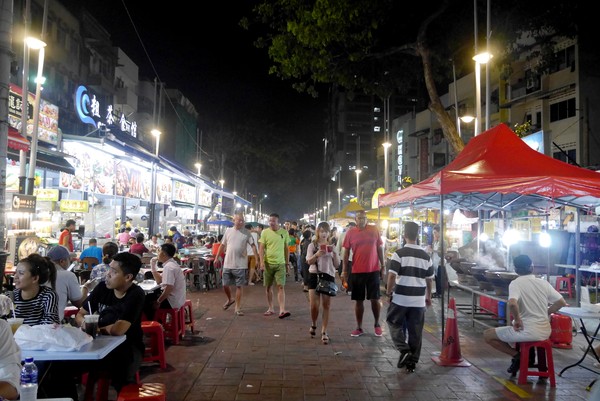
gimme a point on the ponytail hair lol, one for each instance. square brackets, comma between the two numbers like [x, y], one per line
[42, 267]
[109, 250]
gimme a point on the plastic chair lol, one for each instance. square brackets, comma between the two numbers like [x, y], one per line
[544, 352]
[143, 392]
[188, 315]
[172, 322]
[155, 352]
[559, 286]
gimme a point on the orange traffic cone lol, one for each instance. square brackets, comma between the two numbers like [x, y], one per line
[450, 355]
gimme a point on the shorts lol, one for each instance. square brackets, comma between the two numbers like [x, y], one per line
[368, 283]
[237, 277]
[509, 335]
[274, 274]
[251, 262]
[313, 279]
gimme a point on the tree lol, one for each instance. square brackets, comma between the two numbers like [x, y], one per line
[381, 46]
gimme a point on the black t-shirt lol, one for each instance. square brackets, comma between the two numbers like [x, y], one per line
[111, 309]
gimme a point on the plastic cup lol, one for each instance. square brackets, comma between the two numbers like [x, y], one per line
[323, 247]
[15, 323]
[91, 324]
[329, 248]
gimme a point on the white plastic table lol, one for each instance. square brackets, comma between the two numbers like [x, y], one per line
[97, 349]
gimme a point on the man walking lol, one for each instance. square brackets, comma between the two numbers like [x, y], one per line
[367, 269]
[66, 236]
[409, 286]
[234, 246]
[274, 259]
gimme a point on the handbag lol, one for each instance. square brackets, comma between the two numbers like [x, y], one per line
[326, 287]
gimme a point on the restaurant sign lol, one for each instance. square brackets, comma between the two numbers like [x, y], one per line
[48, 116]
[23, 203]
[46, 194]
[74, 206]
[91, 111]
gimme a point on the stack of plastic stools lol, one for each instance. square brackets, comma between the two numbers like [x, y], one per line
[188, 315]
[172, 323]
[101, 381]
[559, 286]
[544, 353]
[156, 350]
[143, 392]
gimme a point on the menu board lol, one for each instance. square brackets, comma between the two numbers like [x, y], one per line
[94, 172]
[164, 189]
[205, 198]
[48, 117]
[184, 192]
[130, 181]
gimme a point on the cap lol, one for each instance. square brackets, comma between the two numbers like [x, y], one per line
[59, 252]
[173, 228]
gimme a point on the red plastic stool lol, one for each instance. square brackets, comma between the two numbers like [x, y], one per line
[188, 315]
[71, 311]
[156, 350]
[144, 392]
[172, 323]
[100, 380]
[544, 352]
[559, 286]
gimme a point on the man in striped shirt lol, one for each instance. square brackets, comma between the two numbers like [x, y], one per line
[409, 284]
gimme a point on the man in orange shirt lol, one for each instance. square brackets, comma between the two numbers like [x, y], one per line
[66, 238]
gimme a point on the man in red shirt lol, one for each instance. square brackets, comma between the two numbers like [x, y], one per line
[66, 238]
[367, 269]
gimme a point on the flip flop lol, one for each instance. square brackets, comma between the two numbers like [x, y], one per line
[239, 313]
[269, 313]
[283, 315]
[228, 304]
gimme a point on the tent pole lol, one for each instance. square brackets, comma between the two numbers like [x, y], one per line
[578, 260]
[443, 265]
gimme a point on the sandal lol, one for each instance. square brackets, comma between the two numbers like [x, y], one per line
[325, 338]
[313, 331]
[228, 304]
[269, 313]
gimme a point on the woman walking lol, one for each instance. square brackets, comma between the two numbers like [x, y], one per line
[323, 260]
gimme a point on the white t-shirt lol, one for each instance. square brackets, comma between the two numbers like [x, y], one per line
[536, 294]
[67, 288]
[249, 249]
[237, 243]
[10, 356]
[173, 275]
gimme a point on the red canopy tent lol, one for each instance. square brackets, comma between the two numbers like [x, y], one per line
[498, 171]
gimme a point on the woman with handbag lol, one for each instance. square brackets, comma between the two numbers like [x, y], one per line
[323, 260]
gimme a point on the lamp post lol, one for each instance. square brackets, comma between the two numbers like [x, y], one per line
[481, 58]
[39, 45]
[358, 171]
[198, 166]
[386, 146]
[329, 206]
[260, 204]
[339, 191]
[153, 223]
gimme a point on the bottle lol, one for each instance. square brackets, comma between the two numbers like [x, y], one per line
[29, 380]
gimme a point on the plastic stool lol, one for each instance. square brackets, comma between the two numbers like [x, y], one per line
[188, 315]
[102, 380]
[172, 323]
[559, 286]
[156, 351]
[544, 352]
[144, 391]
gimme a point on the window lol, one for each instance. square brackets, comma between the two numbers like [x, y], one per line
[571, 153]
[564, 58]
[561, 110]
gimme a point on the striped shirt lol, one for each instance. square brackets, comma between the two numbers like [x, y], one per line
[412, 266]
[41, 309]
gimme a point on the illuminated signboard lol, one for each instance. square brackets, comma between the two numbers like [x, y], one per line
[90, 111]
[48, 118]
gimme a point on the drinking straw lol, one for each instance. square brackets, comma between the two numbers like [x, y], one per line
[13, 311]
[90, 306]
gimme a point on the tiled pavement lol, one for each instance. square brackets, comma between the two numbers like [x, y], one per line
[254, 357]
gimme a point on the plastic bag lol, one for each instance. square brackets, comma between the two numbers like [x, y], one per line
[50, 337]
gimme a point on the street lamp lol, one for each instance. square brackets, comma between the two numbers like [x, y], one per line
[39, 45]
[260, 204]
[152, 224]
[329, 206]
[339, 190]
[199, 167]
[358, 171]
[481, 58]
[386, 146]
[222, 182]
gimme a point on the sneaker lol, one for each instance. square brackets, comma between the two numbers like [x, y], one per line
[514, 366]
[251, 283]
[378, 331]
[410, 367]
[403, 359]
[357, 333]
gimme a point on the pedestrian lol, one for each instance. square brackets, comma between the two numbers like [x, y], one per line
[109, 250]
[172, 282]
[323, 260]
[234, 246]
[342, 253]
[66, 236]
[178, 239]
[409, 283]
[293, 243]
[253, 276]
[435, 251]
[274, 260]
[304, 266]
[528, 300]
[367, 269]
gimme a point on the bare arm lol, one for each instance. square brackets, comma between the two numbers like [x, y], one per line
[557, 305]
[261, 255]
[513, 307]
